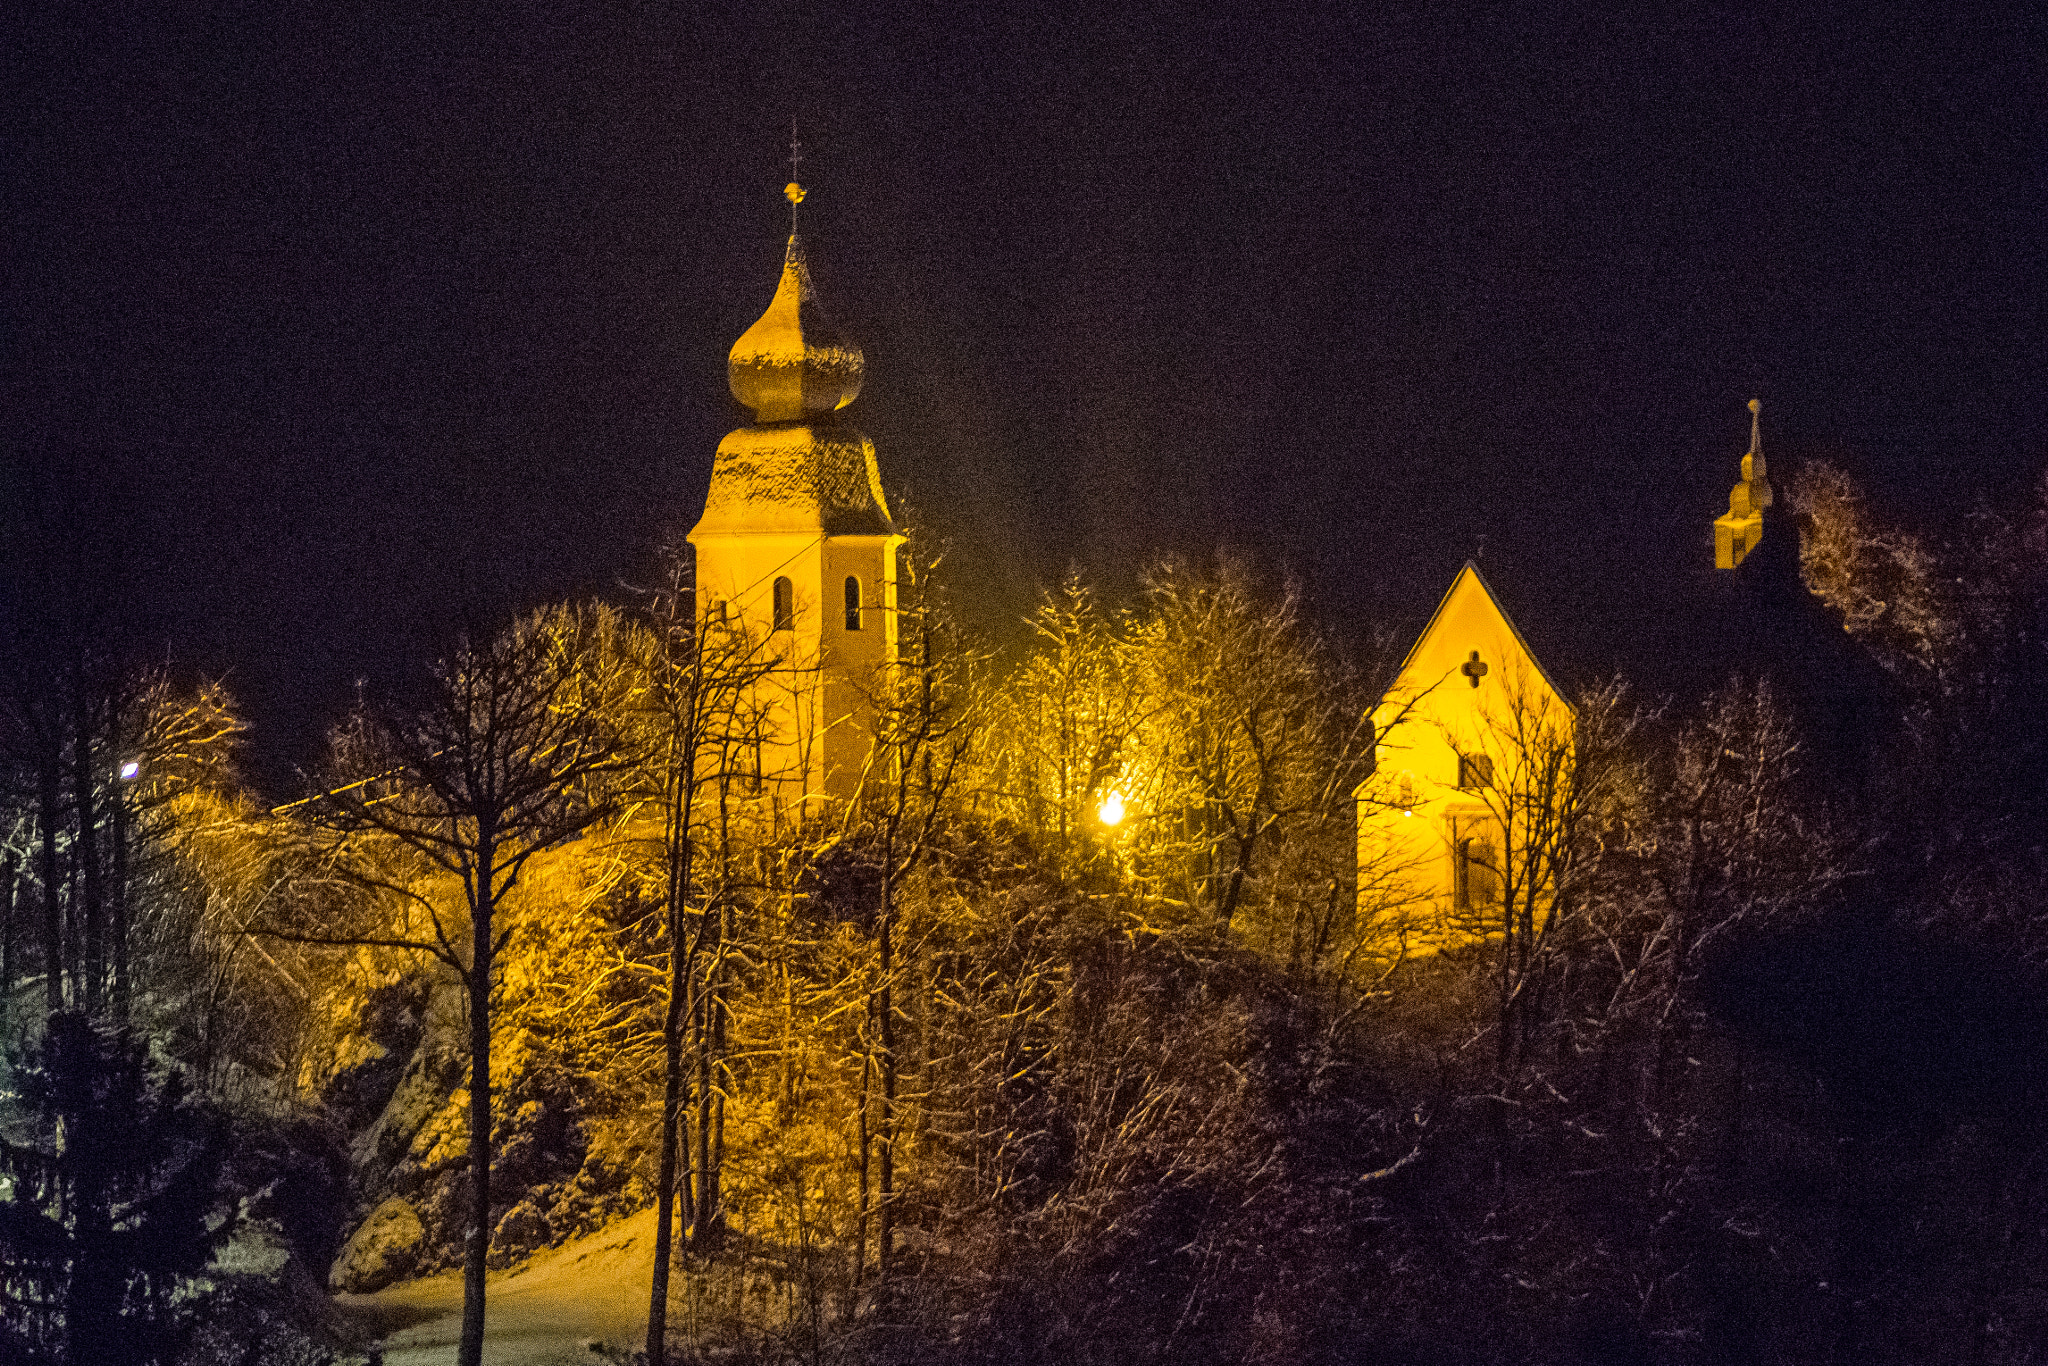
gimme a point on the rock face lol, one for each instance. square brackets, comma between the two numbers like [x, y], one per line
[435, 1066]
[381, 1251]
[557, 1170]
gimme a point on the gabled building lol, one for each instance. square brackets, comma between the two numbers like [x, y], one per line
[1470, 711]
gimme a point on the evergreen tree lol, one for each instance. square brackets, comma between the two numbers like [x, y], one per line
[107, 1201]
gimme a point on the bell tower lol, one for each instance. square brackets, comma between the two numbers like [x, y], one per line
[1738, 531]
[796, 547]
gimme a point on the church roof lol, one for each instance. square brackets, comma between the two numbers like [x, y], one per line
[795, 477]
[1468, 589]
[799, 469]
[1468, 685]
[793, 362]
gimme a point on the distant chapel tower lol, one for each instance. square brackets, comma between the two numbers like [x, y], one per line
[1737, 531]
[796, 548]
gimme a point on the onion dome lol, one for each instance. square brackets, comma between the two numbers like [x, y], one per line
[793, 363]
[798, 469]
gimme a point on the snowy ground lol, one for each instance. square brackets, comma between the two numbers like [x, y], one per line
[583, 1302]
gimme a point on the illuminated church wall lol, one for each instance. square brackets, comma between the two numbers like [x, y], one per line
[1450, 739]
[1468, 713]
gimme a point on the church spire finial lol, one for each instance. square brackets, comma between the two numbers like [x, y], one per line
[1753, 472]
[793, 191]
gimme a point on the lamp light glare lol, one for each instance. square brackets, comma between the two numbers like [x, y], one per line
[129, 770]
[1111, 812]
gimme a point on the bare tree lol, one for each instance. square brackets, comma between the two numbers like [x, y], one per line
[505, 756]
[32, 737]
[698, 721]
[1725, 840]
[1066, 719]
[927, 714]
[1253, 738]
[1886, 583]
[1554, 785]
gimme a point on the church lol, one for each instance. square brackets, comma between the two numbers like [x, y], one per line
[1466, 737]
[1474, 737]
[796, 552]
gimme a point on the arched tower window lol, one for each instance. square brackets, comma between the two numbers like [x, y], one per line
[785, 605]
[852, 603]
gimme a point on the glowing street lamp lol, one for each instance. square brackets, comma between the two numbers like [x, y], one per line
[129, 770]
[1111, 812]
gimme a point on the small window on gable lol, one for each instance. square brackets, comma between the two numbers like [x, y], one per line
[852, 603]
[1475, 867]
[1475, 771]
[785, 605]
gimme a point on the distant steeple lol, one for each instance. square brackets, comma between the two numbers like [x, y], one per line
[1753, 472]
[1741, 528]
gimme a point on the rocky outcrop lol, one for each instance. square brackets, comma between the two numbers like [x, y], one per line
[362, 1049]
[524, 1229]
[382, 1250]
[558, 1169]
[435, 1067]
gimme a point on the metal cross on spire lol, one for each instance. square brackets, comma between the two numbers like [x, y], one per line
[793, 192]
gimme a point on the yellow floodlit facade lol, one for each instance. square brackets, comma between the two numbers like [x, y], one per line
[796, 550]
[1470, 710]
[1738, 530]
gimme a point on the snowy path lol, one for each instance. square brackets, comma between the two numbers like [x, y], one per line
[547, 1312]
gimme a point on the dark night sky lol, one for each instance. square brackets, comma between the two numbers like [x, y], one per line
[327, 333]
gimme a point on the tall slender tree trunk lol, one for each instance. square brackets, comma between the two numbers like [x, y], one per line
[683, 743]
[702, 1213]
[49, 812]
[1502, 1044]
[477, 1239]
[786, 1099]
[1235, 888]
[707, 1229]
[712, 1217]
[92, 970]
[672, 1085]
[885, 1202]
[7, 939]
[860, 1222]
[74, 940]
[119, 904]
